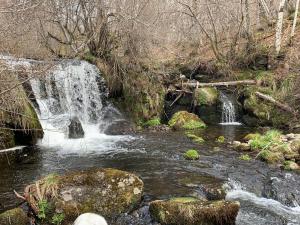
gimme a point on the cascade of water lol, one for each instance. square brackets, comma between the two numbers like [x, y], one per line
[228, 111]
[73, 90]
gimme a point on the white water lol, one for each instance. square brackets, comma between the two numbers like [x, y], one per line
[228, 111]
[261, 211]
[71, 89]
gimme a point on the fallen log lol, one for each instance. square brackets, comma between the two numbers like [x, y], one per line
[280, 105]
[218, 84]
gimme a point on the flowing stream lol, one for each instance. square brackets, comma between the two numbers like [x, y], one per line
[76, 89]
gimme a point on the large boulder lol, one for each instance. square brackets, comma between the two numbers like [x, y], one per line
[186, 121]
[182, 211]
[75, 129]
[108, 192]
[14, 217]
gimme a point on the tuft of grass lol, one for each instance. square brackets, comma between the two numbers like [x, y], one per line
[264, 142]
[58, 218]
[43, 207]
[245, 157]
[152, 122]
[191, 155]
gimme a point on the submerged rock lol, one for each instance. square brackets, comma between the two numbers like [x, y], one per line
[108, 192]
[194, 212]
[75, 129]
[121, 127]
[186, 121]
[14, 217]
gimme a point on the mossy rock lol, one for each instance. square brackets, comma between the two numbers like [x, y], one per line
[267, 114]
[186, 121]
[191, 155]
[14, 217]
[108, 192]
[194, 212]
[6, 139]
[195, 138]
[206, 96]
[271, 157]
[220, 139]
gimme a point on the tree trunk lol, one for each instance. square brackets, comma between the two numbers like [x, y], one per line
[225, 84]
[275, 102]
[295, 20]
[279, 26]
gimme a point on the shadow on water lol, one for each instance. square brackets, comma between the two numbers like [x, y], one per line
[157, 159]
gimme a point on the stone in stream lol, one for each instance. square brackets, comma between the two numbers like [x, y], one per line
[14, 217]
[184, 120]
[182, 211]
[75, 129]
[108, 192]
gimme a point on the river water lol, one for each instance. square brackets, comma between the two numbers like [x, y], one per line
[75, 89]
[157, 159]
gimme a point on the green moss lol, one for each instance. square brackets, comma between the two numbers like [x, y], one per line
[152, 122]
[186, 120]
[245, 157]
[206, 96]
[191, 155]
[195, 138]
[287, 165]
[220, 139]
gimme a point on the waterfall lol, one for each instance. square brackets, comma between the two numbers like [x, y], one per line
[73, 94]
[72, 89]
[228, 111]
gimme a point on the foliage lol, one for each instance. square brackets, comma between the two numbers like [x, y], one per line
[58, 218]
[264, 142]
[152, 122]
[43, 207]
[245, 157]
[220, 139]
[191, 155]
